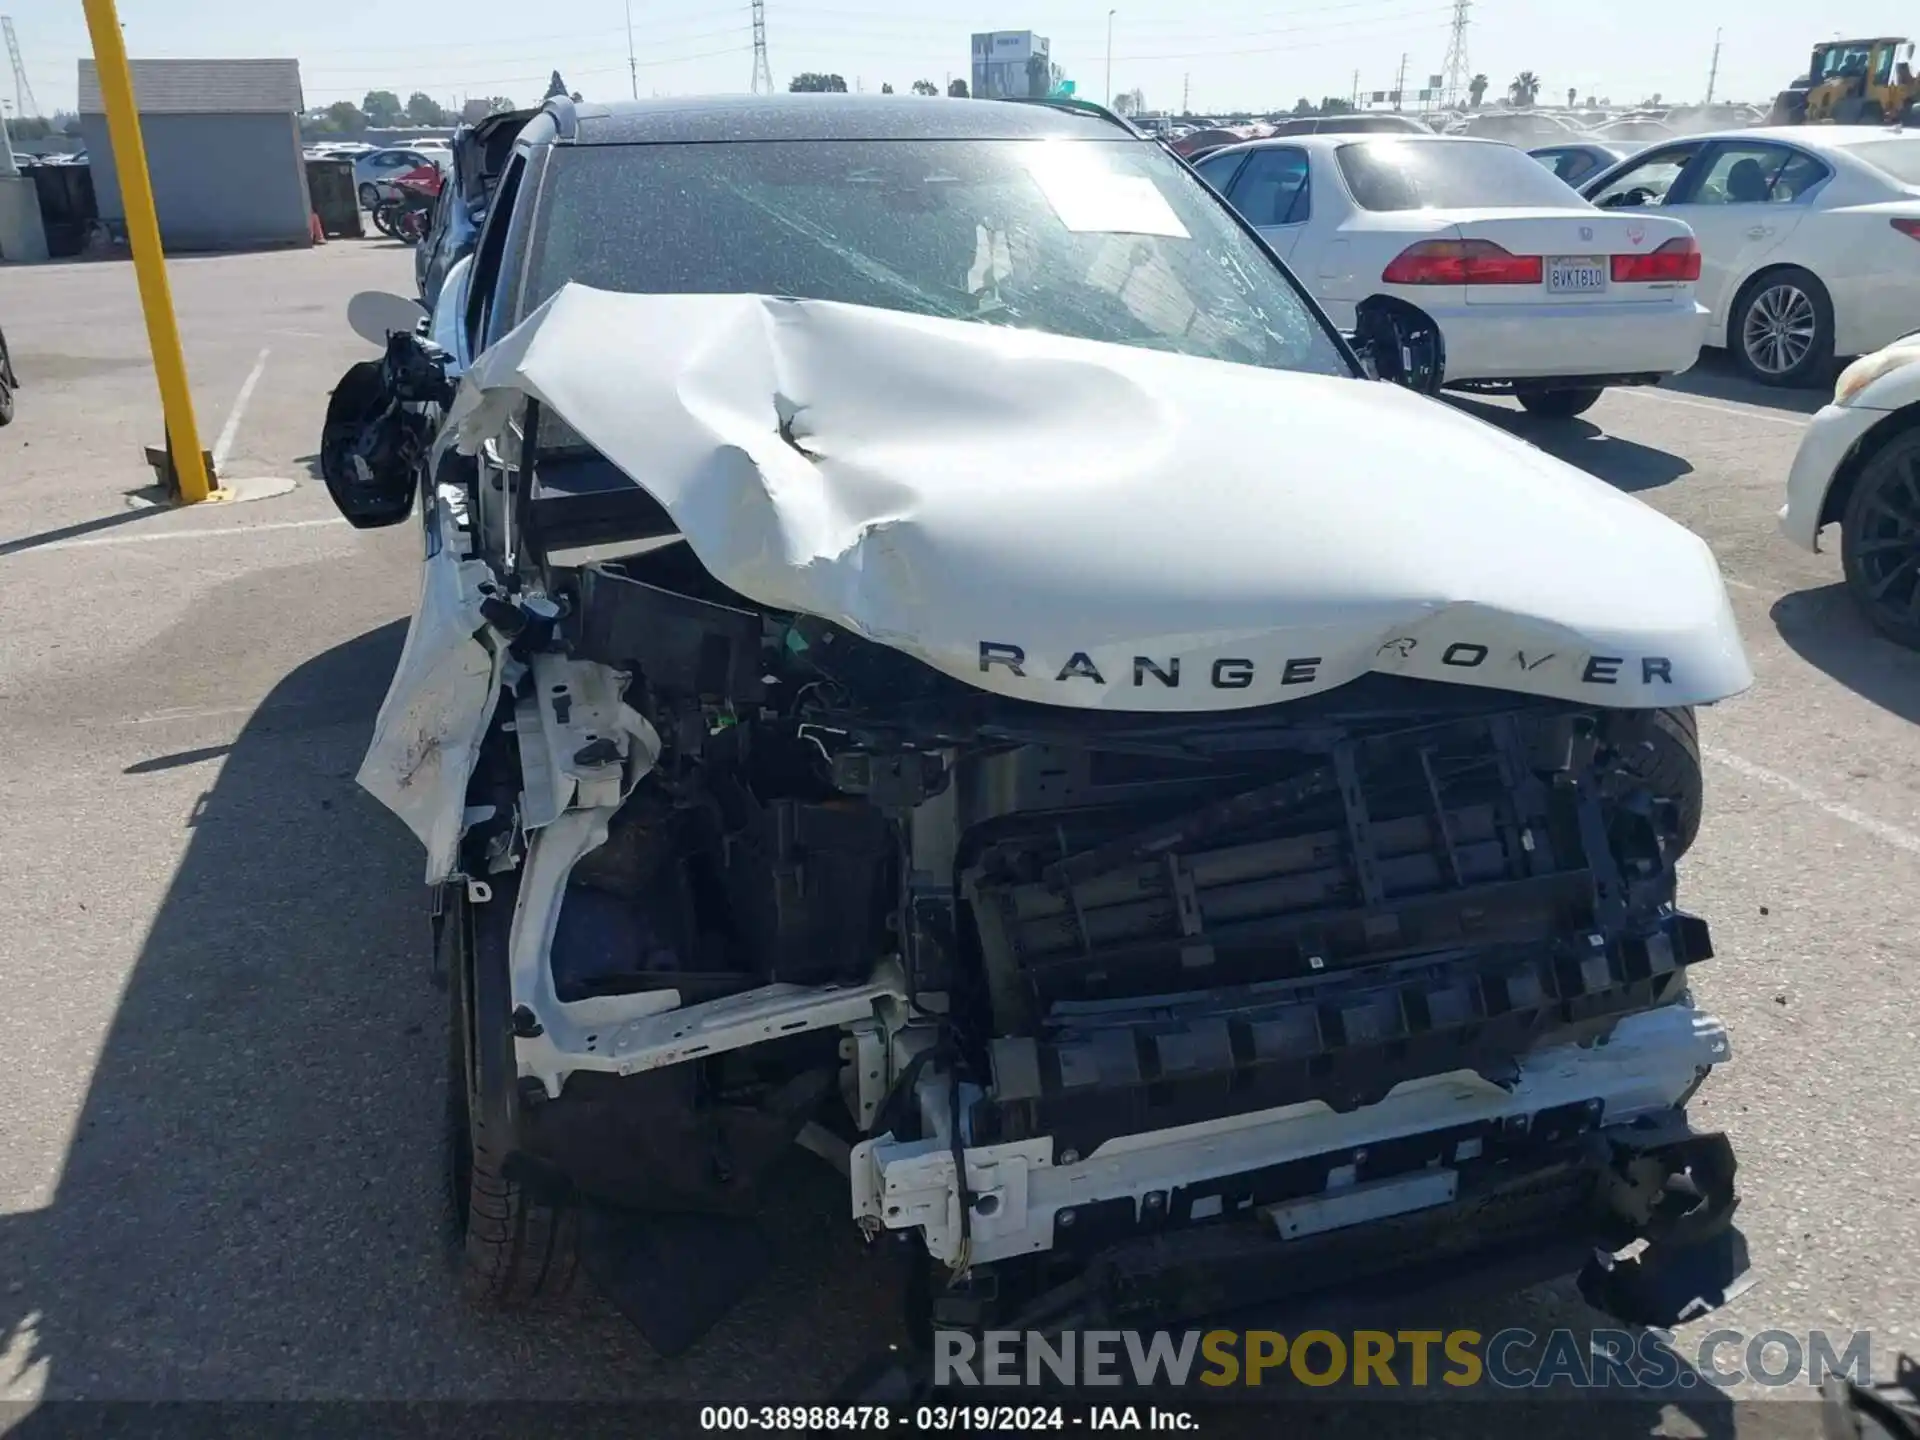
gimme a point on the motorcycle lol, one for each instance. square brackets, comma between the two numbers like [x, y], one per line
[406, 213]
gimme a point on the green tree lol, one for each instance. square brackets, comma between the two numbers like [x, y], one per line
[958, 89]
[925, 87]
[1304, 107]
[812, 81]
[1477, 90]
[498, 103]
[423, 109]
[1336, 105]
[1038, 75]
[382, 107]
[1525, 86]
[886, 89]
[345, 118]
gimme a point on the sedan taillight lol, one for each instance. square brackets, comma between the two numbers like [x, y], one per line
[1678, 259]
[1908, 228]
[1461, 262]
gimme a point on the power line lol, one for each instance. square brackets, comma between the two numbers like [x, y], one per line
[762, 72]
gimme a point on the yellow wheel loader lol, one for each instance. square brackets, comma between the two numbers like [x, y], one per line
[1852, 82]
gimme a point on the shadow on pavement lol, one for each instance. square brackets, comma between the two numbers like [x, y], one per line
[233, 1149]
[1625, 464]
[1715, 377]
[251, 1205]
[1826, 629]
[79, 529]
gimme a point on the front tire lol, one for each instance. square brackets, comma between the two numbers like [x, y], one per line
[1558, 404]
[1660, 751]
[1781, 329]
[517, 1239]
[1880, 540]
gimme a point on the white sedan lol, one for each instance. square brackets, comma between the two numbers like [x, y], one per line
[1858, 467]
[1810, 237]
[1530, 290]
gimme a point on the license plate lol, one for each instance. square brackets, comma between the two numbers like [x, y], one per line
[1576, 274]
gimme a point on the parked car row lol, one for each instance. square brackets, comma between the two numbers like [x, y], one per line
[1529, 289]
[1788, 247]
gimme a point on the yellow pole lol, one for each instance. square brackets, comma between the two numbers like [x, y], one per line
[143, 235]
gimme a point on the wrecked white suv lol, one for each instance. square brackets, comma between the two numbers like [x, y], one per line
[931, 648]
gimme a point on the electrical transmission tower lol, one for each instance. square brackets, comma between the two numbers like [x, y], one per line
[1456, 72]
[762, 73]
[24, 104]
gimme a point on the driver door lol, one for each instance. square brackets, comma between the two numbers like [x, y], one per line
[1646, 180]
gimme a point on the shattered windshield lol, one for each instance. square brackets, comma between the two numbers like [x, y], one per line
[1104, 241]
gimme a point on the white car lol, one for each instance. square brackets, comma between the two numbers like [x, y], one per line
[1858, 467]
[1531, 290]
[375, 172]
[948, 662]
[1810, 237]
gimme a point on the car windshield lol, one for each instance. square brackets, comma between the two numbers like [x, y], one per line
[1097, 240]
[1448, 175]
[1897, 158]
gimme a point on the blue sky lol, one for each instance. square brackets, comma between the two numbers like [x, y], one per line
[1232, 53]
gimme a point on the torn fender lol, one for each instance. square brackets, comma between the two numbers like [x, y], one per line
[430, 726]
[1107, 526]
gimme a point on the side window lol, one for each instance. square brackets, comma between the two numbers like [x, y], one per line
[1271, 190]
[1218, 170]
[486, 260]
[1646, 182]
[1747, 173]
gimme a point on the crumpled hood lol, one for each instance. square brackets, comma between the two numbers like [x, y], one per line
[1099, 525]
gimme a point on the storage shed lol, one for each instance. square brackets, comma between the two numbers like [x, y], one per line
[223, 148]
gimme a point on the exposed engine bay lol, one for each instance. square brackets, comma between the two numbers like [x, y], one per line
[1052, 982]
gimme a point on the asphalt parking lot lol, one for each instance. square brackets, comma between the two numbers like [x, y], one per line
[219, 1165]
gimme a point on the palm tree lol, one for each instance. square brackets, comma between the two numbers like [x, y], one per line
[1476, 90]
[1525, 86]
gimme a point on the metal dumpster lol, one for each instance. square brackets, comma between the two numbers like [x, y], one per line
[330, 185]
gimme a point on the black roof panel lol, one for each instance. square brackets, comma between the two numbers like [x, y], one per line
[831, 117]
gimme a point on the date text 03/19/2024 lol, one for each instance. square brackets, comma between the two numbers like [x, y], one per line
[940, 1419]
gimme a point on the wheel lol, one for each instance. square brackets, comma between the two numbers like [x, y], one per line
[1660, 749]
[384, 222]
[1781, 329]
[1880, 540]
[1558, 404]
[517, 1240]
[6, 403]
[369, 197]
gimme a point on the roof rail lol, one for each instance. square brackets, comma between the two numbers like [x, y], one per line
[566, 120]
[1077, 105]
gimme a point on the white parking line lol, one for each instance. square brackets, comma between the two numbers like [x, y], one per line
[156, 536]
[224, 445]
[1742, 412]
[1895, 836]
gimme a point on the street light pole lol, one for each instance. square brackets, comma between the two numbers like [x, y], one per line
[1110, 15]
